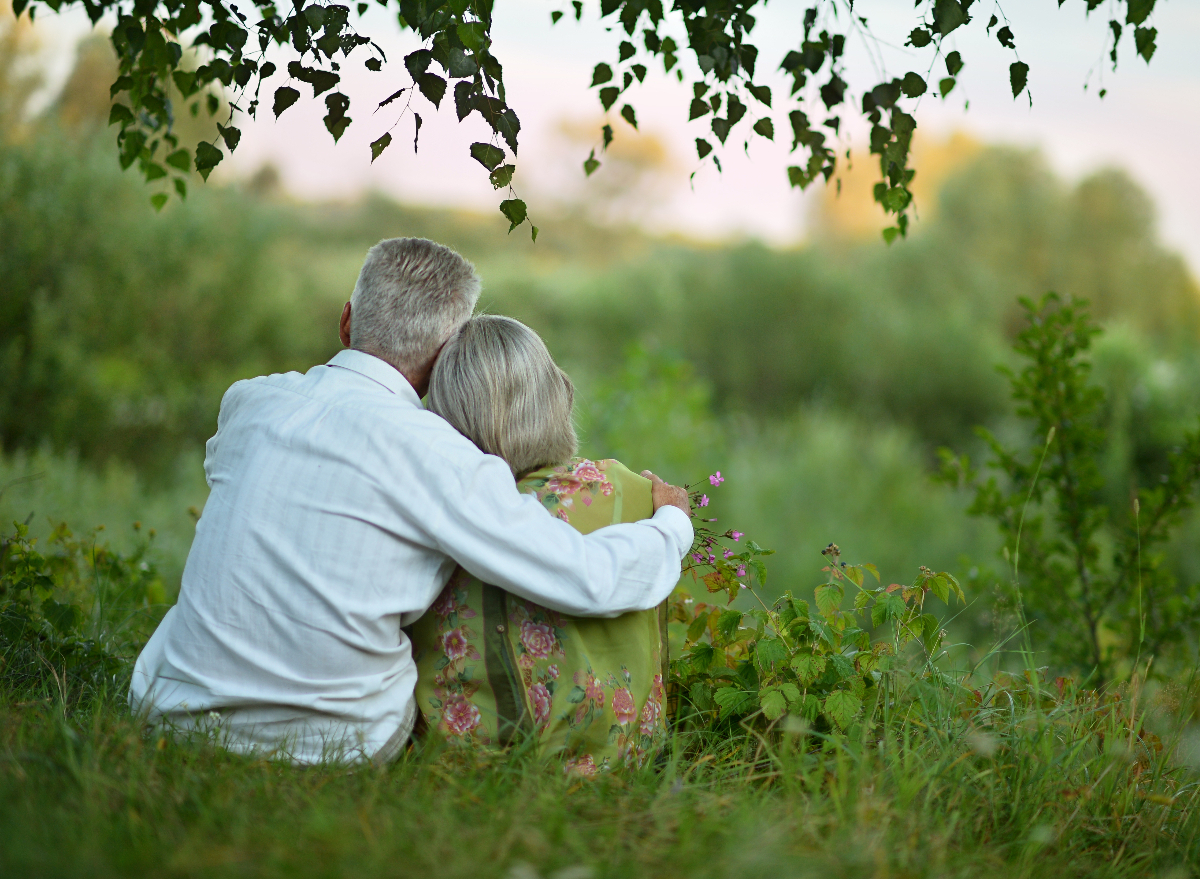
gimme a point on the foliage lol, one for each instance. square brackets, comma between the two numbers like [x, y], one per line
[1091, 578]
[816, 664]
[240, 55]
[71, 616]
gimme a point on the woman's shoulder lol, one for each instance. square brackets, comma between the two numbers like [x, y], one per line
[590, 493]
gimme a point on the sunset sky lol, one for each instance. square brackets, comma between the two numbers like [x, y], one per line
[1147, 123]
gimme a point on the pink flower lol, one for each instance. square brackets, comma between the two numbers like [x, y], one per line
[703, 502]
[587, 471]
[737, 535]
[553, 672]
[587, 500]
[716, 478]
[563, 486]
[584, 766]
[591, 687]
[652, 710]
[562, 514]
[538, 639]
[460, 716]
[454, 644]
[711, 558]
[729, 553]
[741, 571]
[606, 488]
[623, 706]
[540, 697]
[699, 558]
[446, 604]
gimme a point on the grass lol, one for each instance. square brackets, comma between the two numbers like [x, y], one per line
[1028, 786]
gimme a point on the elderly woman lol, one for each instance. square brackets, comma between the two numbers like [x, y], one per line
[493, 666]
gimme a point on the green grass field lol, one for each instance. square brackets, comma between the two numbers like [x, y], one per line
[1066, 790]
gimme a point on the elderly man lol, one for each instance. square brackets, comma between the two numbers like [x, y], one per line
[338, 509]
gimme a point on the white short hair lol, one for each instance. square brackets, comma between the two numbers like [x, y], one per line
[499, 387]
[411, 296]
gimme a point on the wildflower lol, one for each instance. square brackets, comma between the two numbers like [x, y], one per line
[699, 558]
[729, 553]
[711, 558]
[737, 535]
[703, 502]
[741, 571]
[716, 478]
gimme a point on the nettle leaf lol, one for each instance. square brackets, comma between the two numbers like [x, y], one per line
[378, 146]
[829, 599]
[841, 706]
[770, 651]
[774, 705]
[1018, 76]
[487, 155]
[808, 667]
[843, 666]
[515, 212]
[285, 96]
[913, 85]
[701, 695]
[699, 625]
[728, 622]
[733, 701]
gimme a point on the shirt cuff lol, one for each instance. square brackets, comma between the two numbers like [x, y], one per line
[677, 524]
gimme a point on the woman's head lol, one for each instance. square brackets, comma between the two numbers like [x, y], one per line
[496, 383]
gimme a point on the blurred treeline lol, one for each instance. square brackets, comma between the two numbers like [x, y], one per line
[820, 380]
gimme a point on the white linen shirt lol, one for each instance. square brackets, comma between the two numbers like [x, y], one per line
[338, 509]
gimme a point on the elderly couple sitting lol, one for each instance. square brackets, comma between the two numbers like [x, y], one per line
[364, 562]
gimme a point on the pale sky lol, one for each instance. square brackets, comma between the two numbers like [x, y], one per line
[1147, 124]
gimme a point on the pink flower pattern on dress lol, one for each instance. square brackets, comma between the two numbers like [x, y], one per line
[456, 646]
[537, 638]
[623, 706]
[540, 697]
[446, 603]
[584, 766]
[460, 716]
[652, 710]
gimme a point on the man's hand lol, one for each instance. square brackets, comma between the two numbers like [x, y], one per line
[666, 495]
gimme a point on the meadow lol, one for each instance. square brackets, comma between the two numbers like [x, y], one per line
[822, 381]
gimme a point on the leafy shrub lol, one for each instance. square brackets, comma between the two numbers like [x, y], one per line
[819, 663]
[1091, 578]
[75, 616]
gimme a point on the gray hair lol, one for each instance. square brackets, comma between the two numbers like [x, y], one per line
[410, 297]
[499, 387]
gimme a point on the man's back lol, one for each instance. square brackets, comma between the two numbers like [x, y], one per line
[301, 569]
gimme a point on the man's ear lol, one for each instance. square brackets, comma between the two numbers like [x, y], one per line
[344, 326]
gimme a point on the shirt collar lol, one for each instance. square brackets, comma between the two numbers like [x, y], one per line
[377, 370]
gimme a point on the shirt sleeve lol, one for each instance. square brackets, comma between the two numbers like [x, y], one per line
[509, 539]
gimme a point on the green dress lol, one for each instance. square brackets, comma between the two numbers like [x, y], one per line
[493, 666]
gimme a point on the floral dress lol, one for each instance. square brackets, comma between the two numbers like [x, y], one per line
[493, 666]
